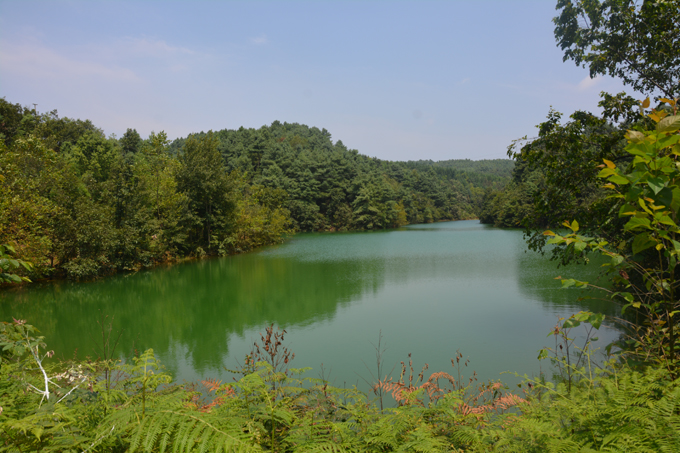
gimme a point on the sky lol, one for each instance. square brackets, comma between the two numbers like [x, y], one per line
[397, 80]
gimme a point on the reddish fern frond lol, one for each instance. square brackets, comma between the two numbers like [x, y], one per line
[442, 375]
[395, 388]
[229, 392]
[400, 390]
[509, 400]
[499, 402]
[211, 384]
[434, 390]
[489, 398]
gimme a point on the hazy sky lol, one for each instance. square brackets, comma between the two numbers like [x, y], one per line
[398, 80]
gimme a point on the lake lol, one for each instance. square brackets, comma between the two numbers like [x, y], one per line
[429, 290]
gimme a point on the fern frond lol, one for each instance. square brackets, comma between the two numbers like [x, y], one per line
[187, 432]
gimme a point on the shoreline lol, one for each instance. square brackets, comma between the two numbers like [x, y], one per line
[185, 259]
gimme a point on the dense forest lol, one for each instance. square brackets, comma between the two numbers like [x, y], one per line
[481, 173]
[606, 184]
[79, 204]
[555, 173]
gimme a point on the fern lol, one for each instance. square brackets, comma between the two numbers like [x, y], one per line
[631, 411]
[188, 432]
[618, 410]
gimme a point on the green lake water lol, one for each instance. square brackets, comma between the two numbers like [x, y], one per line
[430, 289]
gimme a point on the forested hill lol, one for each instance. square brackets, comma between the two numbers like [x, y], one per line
[331, 187]
[78, 203]
[500, 168]
[486, 173]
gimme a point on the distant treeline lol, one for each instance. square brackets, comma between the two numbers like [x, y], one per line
[78, 203]
[331, 187]
[485, 172]
[477, 176]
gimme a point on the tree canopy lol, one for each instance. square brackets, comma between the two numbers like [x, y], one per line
[77, 203]
[637, 42]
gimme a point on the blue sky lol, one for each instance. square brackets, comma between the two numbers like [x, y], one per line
[398, 80]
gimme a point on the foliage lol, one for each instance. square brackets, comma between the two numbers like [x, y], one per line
[203, 178]
[330, 187]
[476, 177]
[650, 192]
[20, 122]
[555, 176]
[259, 217]
[635, 41]
[486, 398]
[514, 204]
[30, 423]
[612, 408]
[573, 363]
[615, 410]
[9, 263]
[84, 204]
[78, 204]
[151, 201]
[484, 172]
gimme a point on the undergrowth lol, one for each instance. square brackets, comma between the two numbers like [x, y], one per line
[107, 406]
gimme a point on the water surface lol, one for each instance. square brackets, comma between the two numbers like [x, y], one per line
[429, 289]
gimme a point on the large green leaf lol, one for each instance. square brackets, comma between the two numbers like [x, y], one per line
[664, 219]
[638, 151]
[676, 245]
[637, 222]
[574, 226]
[669, 141]
[642, 242]
[669, 124]
[580, 246]
[571, 322]
[606, 172]
[568, 282]
[616, 259]
[635, 136]
[596, 319]
[656, 184]
[664, 197]
[675, 204]
[617, 179]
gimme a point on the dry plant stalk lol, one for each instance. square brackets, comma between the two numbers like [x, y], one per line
[275, 353]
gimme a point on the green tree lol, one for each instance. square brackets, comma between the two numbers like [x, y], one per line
[202, 177]
[645, 254]
[11, 116]
[555, 176]
[94, 157]
[636, 41]
[131, 142]
[259, 217]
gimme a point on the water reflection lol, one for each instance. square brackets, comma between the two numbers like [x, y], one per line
[430, 289]
[538, 280]
[196, 304]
